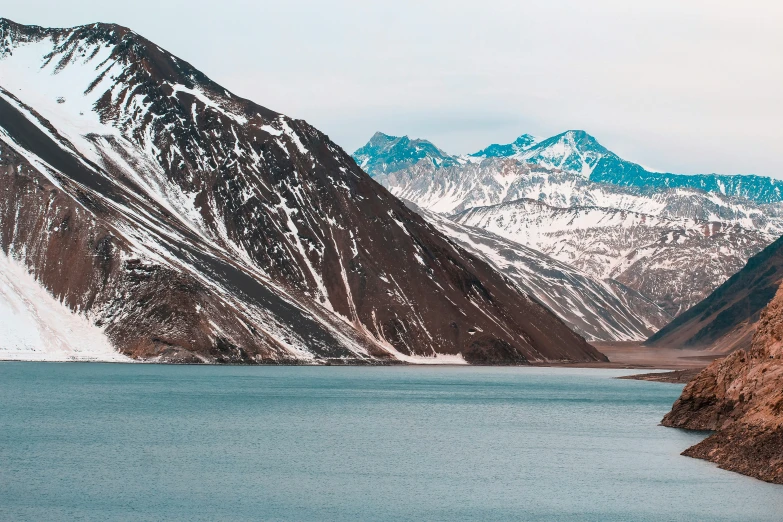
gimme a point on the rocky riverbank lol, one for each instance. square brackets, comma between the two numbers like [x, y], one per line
[740, 398]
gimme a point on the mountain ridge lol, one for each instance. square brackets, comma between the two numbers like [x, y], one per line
[578, 152]
[644, 252]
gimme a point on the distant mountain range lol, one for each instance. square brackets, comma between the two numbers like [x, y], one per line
[572, 151]
[669, 237]
[645, 252]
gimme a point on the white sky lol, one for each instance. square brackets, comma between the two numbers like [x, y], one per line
[678, 85]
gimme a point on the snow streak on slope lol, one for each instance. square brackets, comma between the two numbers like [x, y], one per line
[595, 309]
[34, 326]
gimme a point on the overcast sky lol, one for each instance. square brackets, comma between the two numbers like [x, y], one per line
[687, 86]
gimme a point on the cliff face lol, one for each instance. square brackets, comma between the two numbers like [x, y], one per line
[740, 397]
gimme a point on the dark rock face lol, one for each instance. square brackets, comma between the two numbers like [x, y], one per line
[727, 318]
[740, 397]
[198, 226]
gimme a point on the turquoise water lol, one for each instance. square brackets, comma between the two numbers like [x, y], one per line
[148, 442]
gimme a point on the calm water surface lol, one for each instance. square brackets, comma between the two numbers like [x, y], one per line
[147, 442]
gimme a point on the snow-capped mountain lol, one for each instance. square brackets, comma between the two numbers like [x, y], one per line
[188, 224]
[577, 152]
[543, 194]
[520, 144]
[492, 181]
[598, 310]
[571, 151]
[384, 154]
[676, 263]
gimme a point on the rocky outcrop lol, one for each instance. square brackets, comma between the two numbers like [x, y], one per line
[740, 398]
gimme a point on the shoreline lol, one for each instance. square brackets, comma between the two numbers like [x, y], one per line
[682, 364]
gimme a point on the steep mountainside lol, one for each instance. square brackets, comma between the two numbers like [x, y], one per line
[674, 262]
[740, 397]
[36, 326]
[727, 318]
[598, 310]
[192, 225]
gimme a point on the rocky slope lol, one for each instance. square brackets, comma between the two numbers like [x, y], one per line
[676, 263]
[740, 397]
[192, 225]
[598, 310]
[727, 318]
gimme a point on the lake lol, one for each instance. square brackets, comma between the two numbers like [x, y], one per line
[89, 441]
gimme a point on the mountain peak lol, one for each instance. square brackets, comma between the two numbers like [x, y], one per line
[385, 154]
[573, 150]
[582, 139]
[380, 136]
[525, 140]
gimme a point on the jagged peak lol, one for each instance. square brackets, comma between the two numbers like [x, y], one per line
[383, 136]
[383, 142]
[384, 153]
[580, 138]
[525, 139]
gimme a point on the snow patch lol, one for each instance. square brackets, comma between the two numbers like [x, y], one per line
[34, 326]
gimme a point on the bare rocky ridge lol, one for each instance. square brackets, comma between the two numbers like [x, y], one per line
[197, 226]
[726, 320]
[740, 397]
